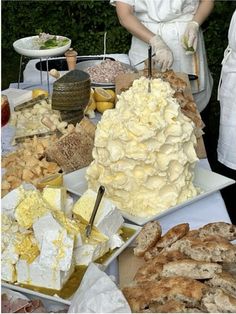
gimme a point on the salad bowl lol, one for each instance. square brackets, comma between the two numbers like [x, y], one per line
[35, 47]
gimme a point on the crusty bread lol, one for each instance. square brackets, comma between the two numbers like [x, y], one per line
[225, 281]
[148, 236]
[171, 306]
[223, 229]
[211, 249]
[182, 289]
[216, 300]
[150, 272]
[171, 236]
[152, 269]
[190, 268]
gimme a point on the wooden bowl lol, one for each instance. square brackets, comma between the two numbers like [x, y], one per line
[71, 91]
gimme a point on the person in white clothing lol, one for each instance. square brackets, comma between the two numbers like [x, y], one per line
[227, 96]
[172, 28]
[226, 149]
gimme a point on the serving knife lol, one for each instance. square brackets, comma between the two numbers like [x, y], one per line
[89, 226]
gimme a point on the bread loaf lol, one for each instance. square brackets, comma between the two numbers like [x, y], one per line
[181, 259]
[190, 268]
[148, 236]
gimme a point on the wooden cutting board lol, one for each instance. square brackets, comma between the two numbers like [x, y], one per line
[125, 81]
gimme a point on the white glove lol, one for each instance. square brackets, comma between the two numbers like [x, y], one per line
[190, 37]
[163, 54]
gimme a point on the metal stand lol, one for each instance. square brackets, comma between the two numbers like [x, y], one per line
[41, 72]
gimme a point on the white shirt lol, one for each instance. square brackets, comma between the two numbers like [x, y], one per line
[169, 18]
[227, 95]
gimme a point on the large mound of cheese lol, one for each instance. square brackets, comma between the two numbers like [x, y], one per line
[144, 151]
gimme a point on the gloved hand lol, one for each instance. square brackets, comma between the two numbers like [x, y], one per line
[190, 37]
[163, 54]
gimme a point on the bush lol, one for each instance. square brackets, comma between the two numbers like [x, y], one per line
[85, 23]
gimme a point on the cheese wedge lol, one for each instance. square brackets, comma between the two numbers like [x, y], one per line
[108, 219]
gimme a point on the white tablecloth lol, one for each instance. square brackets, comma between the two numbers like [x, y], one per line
[208, 209]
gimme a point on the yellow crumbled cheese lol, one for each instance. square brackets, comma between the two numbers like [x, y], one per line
[30, 209]
[27, 248]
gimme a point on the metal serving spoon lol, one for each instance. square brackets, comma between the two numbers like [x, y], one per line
[89, 226]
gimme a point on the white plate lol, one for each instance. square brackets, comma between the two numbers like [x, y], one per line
[13, 294]
[206, 180]
[103, 266]
[25, 47]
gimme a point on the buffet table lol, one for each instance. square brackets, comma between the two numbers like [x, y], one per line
[208, 209]
[211, 208]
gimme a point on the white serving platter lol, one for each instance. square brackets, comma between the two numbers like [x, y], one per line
[102, 265]
[208, 181]
[25, 47]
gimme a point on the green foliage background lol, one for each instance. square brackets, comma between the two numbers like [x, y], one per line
[85, 23]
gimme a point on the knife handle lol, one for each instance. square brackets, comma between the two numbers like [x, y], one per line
[100, 193]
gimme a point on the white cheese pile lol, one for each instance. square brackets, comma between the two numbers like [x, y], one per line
[144, 151]
[41, 243]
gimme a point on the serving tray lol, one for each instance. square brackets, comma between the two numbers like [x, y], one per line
[208, 181]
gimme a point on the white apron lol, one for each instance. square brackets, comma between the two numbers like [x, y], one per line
[169, 18]
[227, 96]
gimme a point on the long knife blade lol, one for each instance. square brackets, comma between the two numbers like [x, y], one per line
[143, 61]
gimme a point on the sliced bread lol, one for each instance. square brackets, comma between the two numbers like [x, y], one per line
[147, 238]
[190, 268]
[223, 229]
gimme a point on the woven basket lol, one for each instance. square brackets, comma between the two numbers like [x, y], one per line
[71, 91]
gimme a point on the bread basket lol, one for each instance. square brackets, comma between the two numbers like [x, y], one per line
[71, 91]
